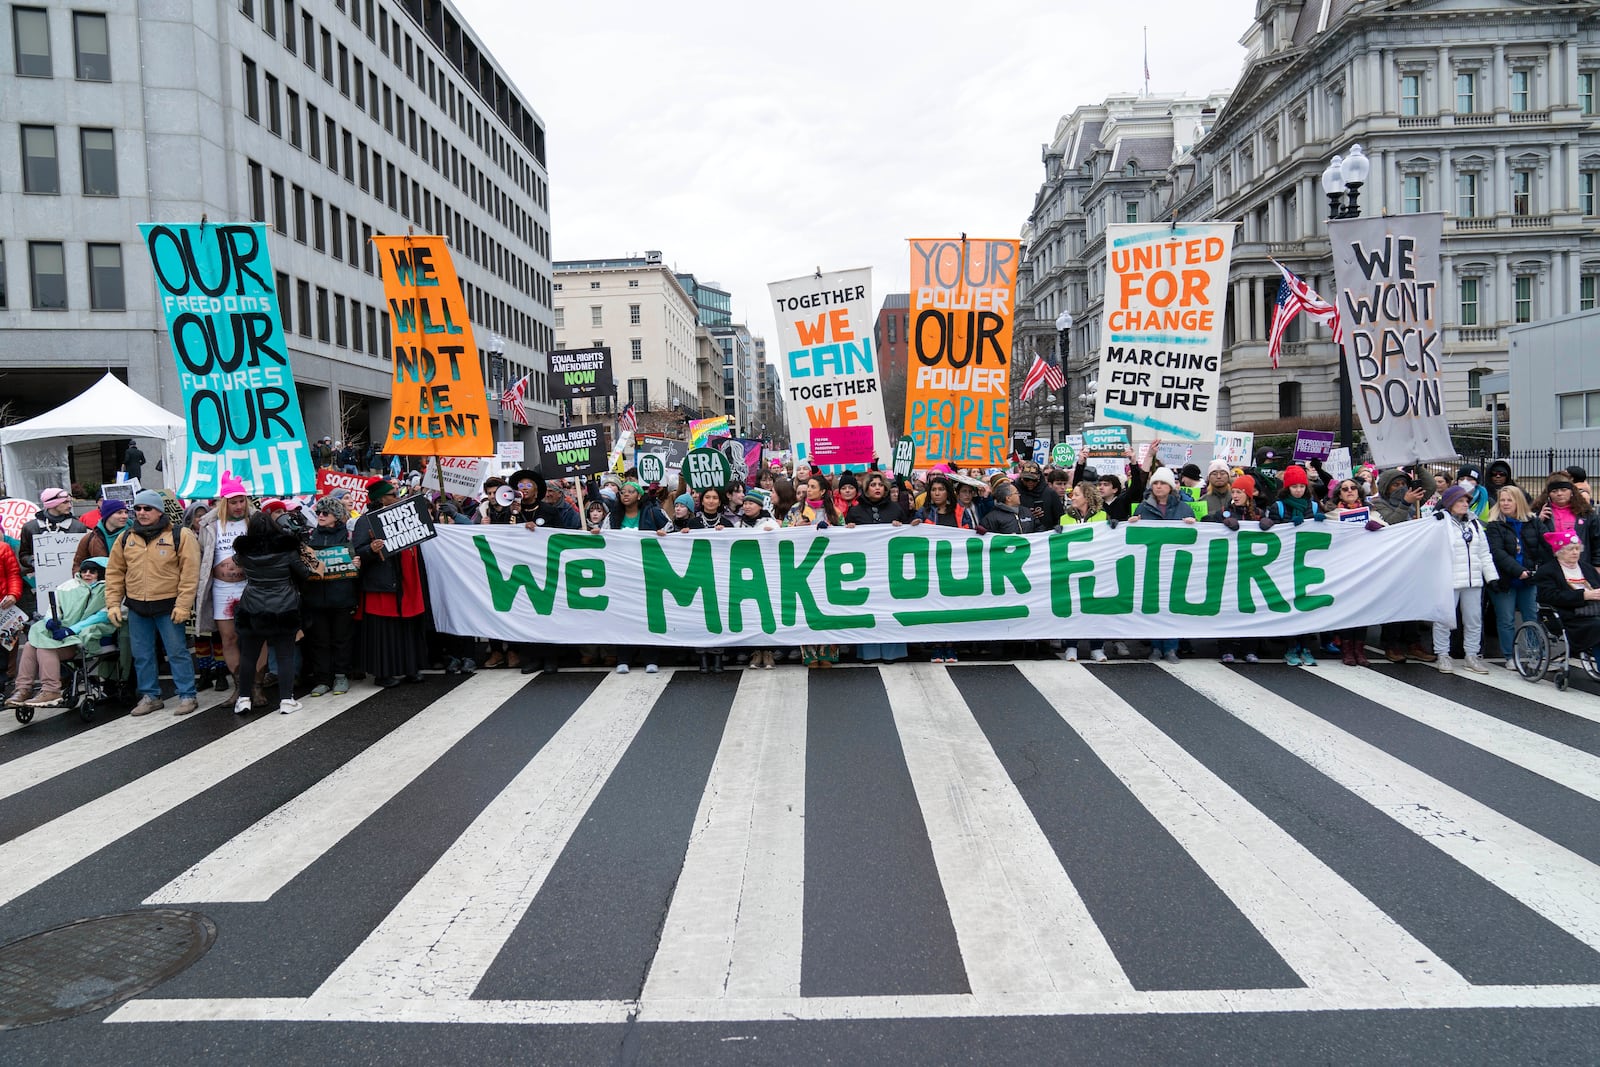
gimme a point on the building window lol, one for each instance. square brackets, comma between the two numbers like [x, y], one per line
[105, 278]
[594, 285]
[561, 318]
[633, 283]
[1411, 194]
[319, 233]
[41, 172]
[1466, 194]
[596, 316]
[639, 393]
[1579, 411]
[285, 297]
[636, 350]
[340, 329]
[47, 275]
[633, 315]
[1469, 302]
[1521, 82]
[30, 34]
[252, 97]
[1586, 287]
[258, 193]
[1522, 302]
[1130, 211]
[294, 117]
[1586, 92]
[274, 108]
[302, 294]
[1522, 192]
[99, 152]
[1466, 93]
[1288, 399]
[3, 303]
[1475, 389]
[299, 214]
[93, 46]
[1410, 94]
[1586, 191]
[323, 332]
[280, 205]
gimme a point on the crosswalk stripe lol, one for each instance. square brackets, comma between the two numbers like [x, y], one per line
[1335, 938]
[735, 925]
[1573, 701]
[1578, 771]
[443, 935]
[1021, 924]
[1561, 886]
[10, 722]
[265, 857]
[45, 851]
[69, 753]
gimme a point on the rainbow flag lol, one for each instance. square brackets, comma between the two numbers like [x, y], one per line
[701, 431]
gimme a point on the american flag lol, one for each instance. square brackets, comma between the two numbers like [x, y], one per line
[1044, 371]
[1295, 296]
[627, 421]
[513, 397]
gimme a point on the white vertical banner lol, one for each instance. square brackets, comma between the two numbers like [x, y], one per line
[827, 363]
[1161, 335]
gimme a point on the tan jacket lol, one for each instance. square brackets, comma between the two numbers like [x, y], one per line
[153, 570]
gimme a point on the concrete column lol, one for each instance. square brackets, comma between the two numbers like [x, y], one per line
[1556, 290]
[1502, 182]
[1448, 308]
[1502, 289]
[1574, 281]
[1447, 83]
[1498, 95]
[1391, 83]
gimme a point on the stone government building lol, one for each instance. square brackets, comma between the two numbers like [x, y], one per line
[1483, 110]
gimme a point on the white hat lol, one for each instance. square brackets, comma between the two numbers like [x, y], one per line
[1164, 474]
[1219, 465]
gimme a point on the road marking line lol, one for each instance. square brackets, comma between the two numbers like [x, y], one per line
[1574, 701]
[38, 716]
[1020, 922]
[443, 935]
[1334, 937]
[735, 925]
[46, 851]
[73, 752]
[1553, 881]
[1577, 770]
[267, 856]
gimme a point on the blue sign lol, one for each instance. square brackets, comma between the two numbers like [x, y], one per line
[216, 287]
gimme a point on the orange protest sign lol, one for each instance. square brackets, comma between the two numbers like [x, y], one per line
[963, 304]
[439, 407]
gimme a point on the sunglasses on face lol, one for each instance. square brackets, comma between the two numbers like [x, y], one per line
[145, 507]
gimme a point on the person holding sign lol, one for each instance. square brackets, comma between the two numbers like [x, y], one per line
[268, 612]
[55, 516]
[1472, 567]
[632, 510]
[78, 622]
[393, 634]
[328, 604]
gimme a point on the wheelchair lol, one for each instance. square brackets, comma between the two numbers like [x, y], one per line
[87, 679]
[1540, 648]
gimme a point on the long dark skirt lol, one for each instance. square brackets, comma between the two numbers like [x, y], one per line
[393, 648]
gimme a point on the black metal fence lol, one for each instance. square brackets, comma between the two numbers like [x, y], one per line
[1530, 466]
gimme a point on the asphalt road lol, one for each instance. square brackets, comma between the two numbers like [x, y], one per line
[1036, 862]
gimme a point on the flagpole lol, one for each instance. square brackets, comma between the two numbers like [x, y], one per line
[1147, 61]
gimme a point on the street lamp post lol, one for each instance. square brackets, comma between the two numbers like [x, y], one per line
[497, 381]
[1064, 337]
[1342, 182]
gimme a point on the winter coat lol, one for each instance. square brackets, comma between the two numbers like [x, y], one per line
[209, 527]
[1471, 565]
[1046, 499]
[80, 606]
[270, 603]
[10, 573]
[1587, 527]
[42, 523]
[1553, 588]
[1290, 510]
[1008, 519]
[1177, 508]
[330, 592]
[865, 513]
[1211, 503]
[97, 542]
[651, 517]
[380, 572]
[1070, 518]
[133, 461]
[1505, 544]
[1233, 517]
[1390, 501]
[962, 518]
[156, 571]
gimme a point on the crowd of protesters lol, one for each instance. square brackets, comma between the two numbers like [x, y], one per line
[248, 596]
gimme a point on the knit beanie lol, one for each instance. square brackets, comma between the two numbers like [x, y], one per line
[1246, 485]
[1164, 474]
[1294, 474]
[109, 508]
[1451, 495]
[1218, 465]
[1559, 539]
[149, 498]
[233, 485]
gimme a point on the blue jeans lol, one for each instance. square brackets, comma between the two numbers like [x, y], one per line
[1164, 645]
[142, 631]
[1524, 600]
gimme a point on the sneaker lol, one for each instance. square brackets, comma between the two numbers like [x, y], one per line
[469, 666]
[289, 707]
[1120, 649]
[1155, 655]
[1510, 664]
[495, 661]
[47, 698]
[937, 659]
[451, 666]
[622, 668]
[146, 705]
[651, 668]
[1444, 665]
[1476, 665]
[322, 690]
[241, 706]
[1072, 654]
[1098, 655]
[19, 698]
[1251, 657]
[1227, 657]
[1307, 659]
[341, 685]
[187, 706]
[1417, 652]
[1292, 657]
[1172, 657]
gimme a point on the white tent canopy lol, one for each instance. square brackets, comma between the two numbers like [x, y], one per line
[35, 452]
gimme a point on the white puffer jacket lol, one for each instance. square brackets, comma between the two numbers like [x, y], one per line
[1471, 563]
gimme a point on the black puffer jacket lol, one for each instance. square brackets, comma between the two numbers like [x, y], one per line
[330, 593]
[272, 567]
[865, 512]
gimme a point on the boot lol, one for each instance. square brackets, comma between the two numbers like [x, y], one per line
[222, 681]
[716, 663]
[705, 663]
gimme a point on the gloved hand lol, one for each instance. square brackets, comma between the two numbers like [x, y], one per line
[1297, 520]
[1319, 517]
[57, 631]
[1230, 520]
[115, 615]
[1266, 522]
[1374, 525]
[182, 615]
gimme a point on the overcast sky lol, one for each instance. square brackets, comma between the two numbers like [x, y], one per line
[752, 142]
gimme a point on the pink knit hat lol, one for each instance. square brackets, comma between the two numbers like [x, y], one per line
[233, 485]
[1559, 539]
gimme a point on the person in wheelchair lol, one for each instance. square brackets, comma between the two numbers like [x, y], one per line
[78, 624]
[1571, 584]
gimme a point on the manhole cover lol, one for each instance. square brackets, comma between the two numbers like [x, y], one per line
[94, 963]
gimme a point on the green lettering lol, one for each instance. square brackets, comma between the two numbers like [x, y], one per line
[1119, 602]
[747, 580]
[583, 575]
[1253, 570]
[1063, 567]
[699, 579]
[1305, 575]
[842, 567]
[1007, 556]
[503, 588]
[794, 588]
[969, 584]
[1153, 536]
[1216, 572]
[912, 586]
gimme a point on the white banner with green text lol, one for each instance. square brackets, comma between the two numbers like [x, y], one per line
[888, 583]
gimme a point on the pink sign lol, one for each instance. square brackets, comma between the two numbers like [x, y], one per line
[841, 445]
[14, 515]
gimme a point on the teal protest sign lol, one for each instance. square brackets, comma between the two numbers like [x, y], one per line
[216, 287]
